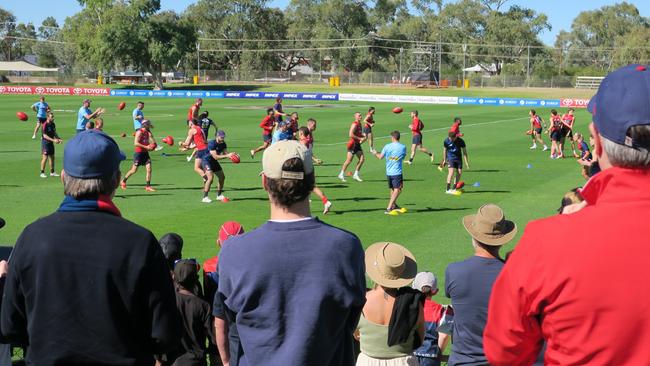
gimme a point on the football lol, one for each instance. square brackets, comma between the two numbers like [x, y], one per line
[121, 106]
[398, 110]
[168, 140]
[460, 185]
[123, 134]
[235, 158]
[22, 116]
[529, 132]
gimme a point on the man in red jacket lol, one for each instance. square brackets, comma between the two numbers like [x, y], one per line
[588, 299]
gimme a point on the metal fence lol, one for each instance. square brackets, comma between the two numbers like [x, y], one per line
[346, 78]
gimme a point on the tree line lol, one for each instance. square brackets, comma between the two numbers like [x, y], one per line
[330, 35]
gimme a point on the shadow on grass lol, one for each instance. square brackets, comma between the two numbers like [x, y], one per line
[244, 189]
[478, 192]
[127, 196]
[249, 199]
[359, 199]
[332, 185]
[438, 209]
[484, 171]
[10, 185]
[13, 151]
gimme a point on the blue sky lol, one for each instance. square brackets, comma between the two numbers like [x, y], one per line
[560, 12]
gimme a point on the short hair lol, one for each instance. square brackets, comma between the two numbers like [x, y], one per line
[415, 112]
[456, 119]
[294, 113]
[627, 156]
[140, 102]
[90, 125]
[452, 134]
[286, 192]
[571, 110]
[172, 248]
[554, 112]
[278, 99]
[533, 112]
[578, 135]
[395, 134]
[199, 100]
[305, 131]
[269, 110]
[203, 115]
[371, 109]
[311, 121]
[196, 121]
[90, 188]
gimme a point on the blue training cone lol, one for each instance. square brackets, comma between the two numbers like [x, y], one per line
[477, 184]
[529, 166]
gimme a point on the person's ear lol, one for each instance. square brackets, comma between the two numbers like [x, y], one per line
[62, 176]
[264, 182]
[434, 292]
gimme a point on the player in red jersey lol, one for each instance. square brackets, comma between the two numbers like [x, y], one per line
[455, 127]
[144, 142]
[293, 125]
[266, 125]
[354, 148]
[568, 119]
[311, 125]
[196, 137]
[536, 128]
[368, 124]
[416, 127]
[306, 139]
[193, 112]
[555, 131]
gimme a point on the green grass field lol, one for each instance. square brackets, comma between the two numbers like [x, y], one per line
[432, 230]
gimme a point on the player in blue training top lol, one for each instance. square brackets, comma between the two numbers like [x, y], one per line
[585, 155]
[453, 148]
[138, 116]
[394, 153]
[50, 137]
[41, 108]
[217, 149]
[84, 115]
[204, 123]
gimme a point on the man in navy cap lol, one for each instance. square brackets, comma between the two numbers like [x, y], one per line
[85, 286]
[587, 298]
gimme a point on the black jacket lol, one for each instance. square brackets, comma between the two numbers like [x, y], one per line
[89, 288]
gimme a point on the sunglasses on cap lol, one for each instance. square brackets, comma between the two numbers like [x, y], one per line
[190, 260]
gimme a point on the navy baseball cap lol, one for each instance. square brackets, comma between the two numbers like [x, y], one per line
[92, 154]
[622, 101]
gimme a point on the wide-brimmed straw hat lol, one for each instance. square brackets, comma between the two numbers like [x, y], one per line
[489, 226]
[390, 265]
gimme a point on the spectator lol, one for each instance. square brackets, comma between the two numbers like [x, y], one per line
[469, 283]
[435, 341]
[5, 349]
[552, 287]
[172, 248]
[226, 336]
[392, 321]
[85, 286]
[295, 284]
[197, 320]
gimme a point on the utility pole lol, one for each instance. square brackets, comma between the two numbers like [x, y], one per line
[401, 53]
[528, 68]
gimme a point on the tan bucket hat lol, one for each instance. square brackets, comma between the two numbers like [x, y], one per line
[390, 265]
[489, 226]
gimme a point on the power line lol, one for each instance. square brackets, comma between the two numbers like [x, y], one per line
[282, 40]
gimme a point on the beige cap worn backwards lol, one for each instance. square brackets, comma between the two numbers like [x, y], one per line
[281, 151]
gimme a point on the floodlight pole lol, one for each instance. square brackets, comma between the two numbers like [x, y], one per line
[198, 60]
[401, 53]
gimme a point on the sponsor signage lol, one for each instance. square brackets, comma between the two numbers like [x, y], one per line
[53, 90]
[398, 98]
[509, 102]
[574, 102]
[273, 95]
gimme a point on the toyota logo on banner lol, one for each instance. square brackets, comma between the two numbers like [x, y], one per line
[77, 91]
[40, 90]
[2, 89]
